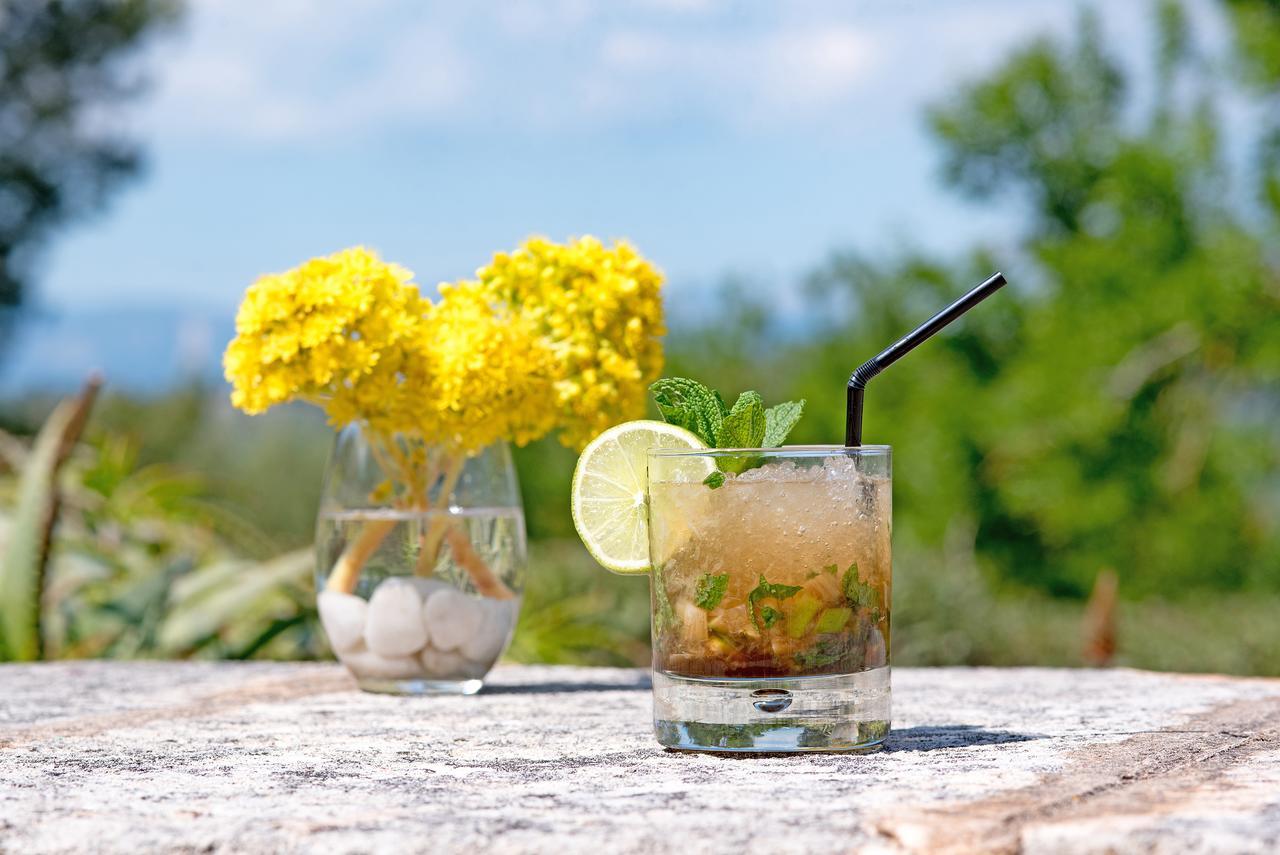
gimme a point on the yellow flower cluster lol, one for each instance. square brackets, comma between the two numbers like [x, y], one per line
[489, 376]
[600, 310]
[334, 331]
[550, 336]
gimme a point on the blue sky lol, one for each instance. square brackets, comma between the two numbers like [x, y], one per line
[721, 137]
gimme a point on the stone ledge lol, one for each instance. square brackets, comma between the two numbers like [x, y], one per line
[135, 757]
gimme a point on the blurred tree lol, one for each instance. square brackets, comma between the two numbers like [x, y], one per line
[62, 65]
[1119, 407]
[1256, 25]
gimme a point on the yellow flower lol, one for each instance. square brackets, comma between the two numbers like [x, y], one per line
[600, 311]
[489, 377]
[550, 336]
[333, 330]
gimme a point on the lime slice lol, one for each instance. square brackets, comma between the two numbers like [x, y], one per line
[608, 499]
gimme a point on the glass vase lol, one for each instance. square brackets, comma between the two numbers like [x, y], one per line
[420, 559]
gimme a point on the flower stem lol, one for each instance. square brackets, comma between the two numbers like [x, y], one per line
[440, 527]
[485, 580]
[429, 545]
[347, 569]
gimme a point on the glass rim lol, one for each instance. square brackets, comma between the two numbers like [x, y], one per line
[779, 451]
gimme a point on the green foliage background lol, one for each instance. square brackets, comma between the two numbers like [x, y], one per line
[1116, 408]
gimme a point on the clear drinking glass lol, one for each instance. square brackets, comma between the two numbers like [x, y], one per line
[770, 597]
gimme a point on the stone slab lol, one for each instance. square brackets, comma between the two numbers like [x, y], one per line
[218, 757]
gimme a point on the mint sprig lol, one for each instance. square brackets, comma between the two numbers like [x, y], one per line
[747, 424]
[710, 590]
[665, 615]
[779, 420]
[826, 652]
[743, 427]
[861, 595]
[767, 590]
[690, 405]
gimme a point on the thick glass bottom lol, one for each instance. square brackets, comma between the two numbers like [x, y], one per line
[841, 712]
[420, 687]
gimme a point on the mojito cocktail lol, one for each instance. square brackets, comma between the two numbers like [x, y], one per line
[771, 597]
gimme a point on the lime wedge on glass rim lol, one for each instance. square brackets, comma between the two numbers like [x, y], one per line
[609, 504]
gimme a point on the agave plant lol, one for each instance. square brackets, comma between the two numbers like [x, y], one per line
[26, 552]
[104, 557]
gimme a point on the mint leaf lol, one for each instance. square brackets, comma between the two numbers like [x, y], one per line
[860, 594]
[665, 616]
[824, 653]
[769, 616]
[779, 420]
[743, 427]
[747, 424]
[690, 405]
[710, 590]
[766, 590]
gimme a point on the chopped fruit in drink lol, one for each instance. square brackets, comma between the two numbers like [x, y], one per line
[734, 621]
[787, 562]
[826, 588]
[833, 620]
[806, 605]
[693, 624]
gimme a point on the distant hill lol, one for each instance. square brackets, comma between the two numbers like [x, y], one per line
[139, 349]
[151, 348]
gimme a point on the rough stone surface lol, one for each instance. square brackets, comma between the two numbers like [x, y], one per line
[143, 757]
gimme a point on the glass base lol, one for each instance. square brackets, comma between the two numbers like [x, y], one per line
[840, 712]
[420, 687]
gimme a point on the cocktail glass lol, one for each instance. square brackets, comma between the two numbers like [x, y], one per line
[770, 597]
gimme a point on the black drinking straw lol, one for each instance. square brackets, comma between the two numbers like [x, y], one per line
[900, 348]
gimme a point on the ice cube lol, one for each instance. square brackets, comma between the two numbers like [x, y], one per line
[394, 624]
[451, 618]
[343, 618]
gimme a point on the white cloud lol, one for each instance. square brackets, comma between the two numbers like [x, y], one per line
[295, 71]
[684, 7]
[744, 78]
[531, 19]
[818, 66]
[292, 71]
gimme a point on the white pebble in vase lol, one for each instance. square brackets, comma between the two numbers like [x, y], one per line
[451, 618]
[363, 662]
[427, 585]
[443, 664]
[485, 645]
[343, 618]
[394, 624]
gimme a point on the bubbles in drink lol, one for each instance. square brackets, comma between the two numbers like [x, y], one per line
[783, 571]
